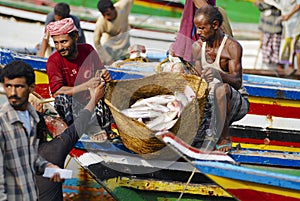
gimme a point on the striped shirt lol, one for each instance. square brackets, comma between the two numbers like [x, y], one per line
[19, 159]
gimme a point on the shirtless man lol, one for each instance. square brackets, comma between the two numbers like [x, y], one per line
[218, 60]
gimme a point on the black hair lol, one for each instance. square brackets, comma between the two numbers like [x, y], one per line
[73, 34]
[212, 13]
[103, 5]
[62, 9]
[17, 69]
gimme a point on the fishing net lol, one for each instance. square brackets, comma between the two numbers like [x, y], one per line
[135, 135]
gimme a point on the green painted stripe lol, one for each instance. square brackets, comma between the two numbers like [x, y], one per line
[240, 10]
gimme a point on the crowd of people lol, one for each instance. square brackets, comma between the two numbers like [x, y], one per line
[280, 34]
[77, 80]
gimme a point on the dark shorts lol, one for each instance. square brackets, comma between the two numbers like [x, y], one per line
[68, 109]
[239, 105]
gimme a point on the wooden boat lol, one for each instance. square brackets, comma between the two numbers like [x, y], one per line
[268, 135]
[254, 175]
[116, 167]
[246, 183]
[273, 106]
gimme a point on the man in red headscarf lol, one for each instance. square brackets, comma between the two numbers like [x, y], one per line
[61, 11]
[71, 71]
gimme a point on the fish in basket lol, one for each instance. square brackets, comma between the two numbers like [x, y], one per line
[120, 95]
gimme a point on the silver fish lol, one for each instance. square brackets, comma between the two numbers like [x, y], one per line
[164, 126]
[164, 118]
[181, 97]
[130, 112]
[159, 99]
[189, 93]
[175, 106]
[157, 107]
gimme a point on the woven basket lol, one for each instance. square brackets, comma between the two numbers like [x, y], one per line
[135, 135]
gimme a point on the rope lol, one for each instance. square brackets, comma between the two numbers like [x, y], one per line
[187, 183]
[67, 162]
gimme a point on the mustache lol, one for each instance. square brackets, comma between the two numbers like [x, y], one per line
[65, 49]
[14, 97]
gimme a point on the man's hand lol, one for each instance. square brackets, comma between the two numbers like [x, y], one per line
[93, 82]
[97, 92]
[37, 106]
[105, 75]
[210, 73]
[56, 176]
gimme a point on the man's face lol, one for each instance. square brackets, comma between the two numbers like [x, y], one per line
[204, 30]
[65, 45]
[57, 17]
[110, 14]
[17, 92]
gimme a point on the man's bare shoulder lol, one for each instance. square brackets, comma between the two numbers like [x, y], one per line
[197, 45]
[233, 43]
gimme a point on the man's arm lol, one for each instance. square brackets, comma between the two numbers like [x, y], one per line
[124, 4]
[79, 88]
[199, 3]
[44, 45]
[287, 16]
[98, 32]
[45, 40]
[196, 51]
[234, 76]
[103, 76]
[41, 164]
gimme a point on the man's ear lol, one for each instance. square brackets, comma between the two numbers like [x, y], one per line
[76, 37]
[32, 88]
[215, 24]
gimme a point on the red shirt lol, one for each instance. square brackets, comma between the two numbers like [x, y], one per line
[65, 72]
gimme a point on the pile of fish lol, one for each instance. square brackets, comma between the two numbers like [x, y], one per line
[160, 112]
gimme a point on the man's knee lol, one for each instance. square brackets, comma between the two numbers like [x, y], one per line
[222, 91]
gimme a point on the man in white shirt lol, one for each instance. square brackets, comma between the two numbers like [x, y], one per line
[111, 35]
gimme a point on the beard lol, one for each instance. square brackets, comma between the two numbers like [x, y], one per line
[69, 51]
[18, 103]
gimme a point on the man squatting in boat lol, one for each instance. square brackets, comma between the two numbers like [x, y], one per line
[218, 60]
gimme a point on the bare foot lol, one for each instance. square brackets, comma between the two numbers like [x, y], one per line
[99, 137]
[224, 145]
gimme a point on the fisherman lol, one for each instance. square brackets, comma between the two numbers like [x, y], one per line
[182, 46]
[61, 11]
[218, 59]
[111, 35]
[72, 71]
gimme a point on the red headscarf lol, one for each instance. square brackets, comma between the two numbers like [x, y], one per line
[61, 27]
